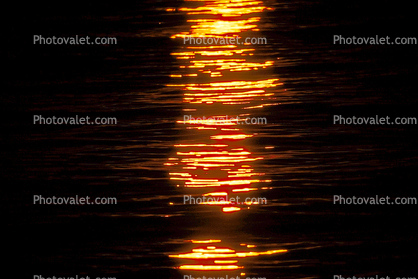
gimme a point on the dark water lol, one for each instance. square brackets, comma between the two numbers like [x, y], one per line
[298, 161]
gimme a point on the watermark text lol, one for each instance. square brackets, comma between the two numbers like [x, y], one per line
[74, 120]
[76, 40]
[39, 199]
[376, 200]
[376, 40]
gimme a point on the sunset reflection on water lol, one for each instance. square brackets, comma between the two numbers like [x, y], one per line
[214, 158]
[220, 81]
[213, 257]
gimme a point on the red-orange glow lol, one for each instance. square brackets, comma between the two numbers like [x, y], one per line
[206, 241]
[225, 261]
[216, 194]
[233, 85]
[231, 8]
[251, 203]
[244, 190]
[213, 249]
[236, 136]
[218, 258]
[209, 267]
[200, 145]
[231, 209]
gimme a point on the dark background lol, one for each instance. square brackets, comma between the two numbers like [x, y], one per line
[128, 80]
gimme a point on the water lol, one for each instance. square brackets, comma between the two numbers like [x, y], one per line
[298, 161]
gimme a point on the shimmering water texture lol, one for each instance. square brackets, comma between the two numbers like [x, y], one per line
[214, 159]
[220, 82]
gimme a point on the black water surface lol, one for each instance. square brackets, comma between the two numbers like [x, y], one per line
[313, 159]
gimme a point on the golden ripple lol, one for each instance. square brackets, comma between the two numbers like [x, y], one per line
[218, 258]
